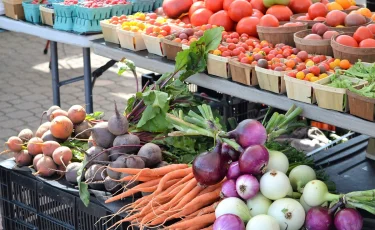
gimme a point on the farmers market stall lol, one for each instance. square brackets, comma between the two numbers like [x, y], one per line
[172, 161]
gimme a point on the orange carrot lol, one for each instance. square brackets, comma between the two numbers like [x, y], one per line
[209, 228]
[137, 178]
[172, 175]
[199, 202]
[151, 172]
[139, 188]
[203, 211]
[198, 222]
[182, 192]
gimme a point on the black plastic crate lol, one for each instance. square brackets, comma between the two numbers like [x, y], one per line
[28, 203]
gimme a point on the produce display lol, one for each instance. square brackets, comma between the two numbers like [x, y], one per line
[176, 159]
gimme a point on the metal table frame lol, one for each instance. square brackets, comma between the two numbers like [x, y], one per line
[56, 36]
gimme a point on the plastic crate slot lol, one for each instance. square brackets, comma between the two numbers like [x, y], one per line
[56, 210]
[47, 224]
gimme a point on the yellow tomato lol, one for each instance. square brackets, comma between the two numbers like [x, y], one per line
[309, 76]
[337, 62]
[313, 79]
[310, 63]
[323, 75]
[300, 75]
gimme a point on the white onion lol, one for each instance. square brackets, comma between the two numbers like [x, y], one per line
[304, 205]
[278, 161]
[262, 222]
[288, 212]
[235, 206]
[300, 176]
[258, 204]
[274, 185]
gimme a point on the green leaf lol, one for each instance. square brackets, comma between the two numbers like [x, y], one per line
[84, 193]
[95, 116]
[212, 38]
[130, 105]
[182, 59]
[82, 186]
[154, 117]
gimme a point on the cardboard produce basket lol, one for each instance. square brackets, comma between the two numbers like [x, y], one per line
[109, 32]
[171, 48]
[154, 45]
[218, 66]
[47, 15]
[333, 98]
[130, 40]
[271, 80]
[299, 90]
[243, 73]
[14, 9]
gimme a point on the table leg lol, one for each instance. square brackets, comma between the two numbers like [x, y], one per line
[370, 152]
[55, 73]
[87, 80]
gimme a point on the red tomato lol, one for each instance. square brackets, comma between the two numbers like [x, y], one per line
[362, 33]
[196, 6]
[227, 3]
[248, 26]
[185, 19]
[317, 10]
[257, 13]
[269, 21]
[240, 9]
[213, 5]
[346, 40]
[200, 17]
[367, 43]
[372, 28]
[282, 13]
[174, 8]
[258, 4]
[166, 28]
[300, 6]
[222, 18]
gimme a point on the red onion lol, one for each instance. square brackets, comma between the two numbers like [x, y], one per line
[210, 167]
[249, 132]
[228, 189]
[247, 186]
[254, 160]
[348, 219]
[318, 218]
[233, 171]
[230, 152]
[229, 222]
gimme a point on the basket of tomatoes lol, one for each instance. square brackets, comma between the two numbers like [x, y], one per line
[354, 47]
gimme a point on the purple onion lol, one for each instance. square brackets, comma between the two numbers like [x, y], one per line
[247, 186]
[228, 189]
[348, 219]
[233, 171]
[210, 168]
[249, 132]
[254, 160]
[228, 151]
[228, 222]
[318, 218]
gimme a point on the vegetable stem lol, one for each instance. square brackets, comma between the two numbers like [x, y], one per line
[233, 144]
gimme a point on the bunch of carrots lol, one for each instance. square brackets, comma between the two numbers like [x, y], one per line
[176, 197]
